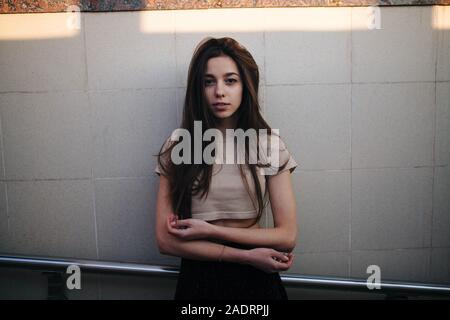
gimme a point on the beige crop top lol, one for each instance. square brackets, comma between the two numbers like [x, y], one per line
[228, 197]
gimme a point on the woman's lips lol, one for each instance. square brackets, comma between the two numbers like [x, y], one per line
[221, 106]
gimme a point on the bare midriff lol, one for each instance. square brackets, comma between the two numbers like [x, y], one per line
[236, 223]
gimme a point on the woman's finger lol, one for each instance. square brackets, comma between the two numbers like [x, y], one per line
[282, 266]
[182, 223]
[181, 233]
[279, 256]
[171, 228]
[170, 221]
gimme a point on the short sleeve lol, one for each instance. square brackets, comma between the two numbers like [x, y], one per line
[165, 158]
[284, 157]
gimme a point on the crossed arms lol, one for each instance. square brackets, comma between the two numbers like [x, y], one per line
[188, 238]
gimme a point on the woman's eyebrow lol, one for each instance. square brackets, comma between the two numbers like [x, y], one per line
[226, 74]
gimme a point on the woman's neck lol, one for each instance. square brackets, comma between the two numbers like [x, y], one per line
[228, 123]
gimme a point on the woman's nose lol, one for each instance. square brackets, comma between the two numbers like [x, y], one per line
[219, 89]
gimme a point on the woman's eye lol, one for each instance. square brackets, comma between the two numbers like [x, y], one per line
[211, 82]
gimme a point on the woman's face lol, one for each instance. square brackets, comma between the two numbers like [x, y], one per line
[223, 87]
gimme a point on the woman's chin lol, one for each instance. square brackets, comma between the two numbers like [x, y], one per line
[221, 115]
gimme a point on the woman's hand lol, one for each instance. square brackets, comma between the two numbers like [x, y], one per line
[270, 260]
[188, 229]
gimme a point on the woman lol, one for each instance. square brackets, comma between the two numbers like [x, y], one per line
[209, 214]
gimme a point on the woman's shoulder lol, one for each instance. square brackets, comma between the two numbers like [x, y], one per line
[280, 158]
[169, 141]
[164, 157]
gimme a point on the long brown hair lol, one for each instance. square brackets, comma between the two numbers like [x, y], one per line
[182, 177]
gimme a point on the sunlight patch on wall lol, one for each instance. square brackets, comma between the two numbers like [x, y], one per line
[156, 21]
[441, 17]
[249, 20]
[36, 26]
[246, 20]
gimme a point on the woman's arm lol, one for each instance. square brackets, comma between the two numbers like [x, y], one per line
[262, 258]
[282, 237]
[266, 259]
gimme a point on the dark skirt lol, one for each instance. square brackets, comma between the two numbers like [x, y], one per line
[214, 280]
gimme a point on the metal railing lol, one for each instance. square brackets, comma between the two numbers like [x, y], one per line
[56, 267]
